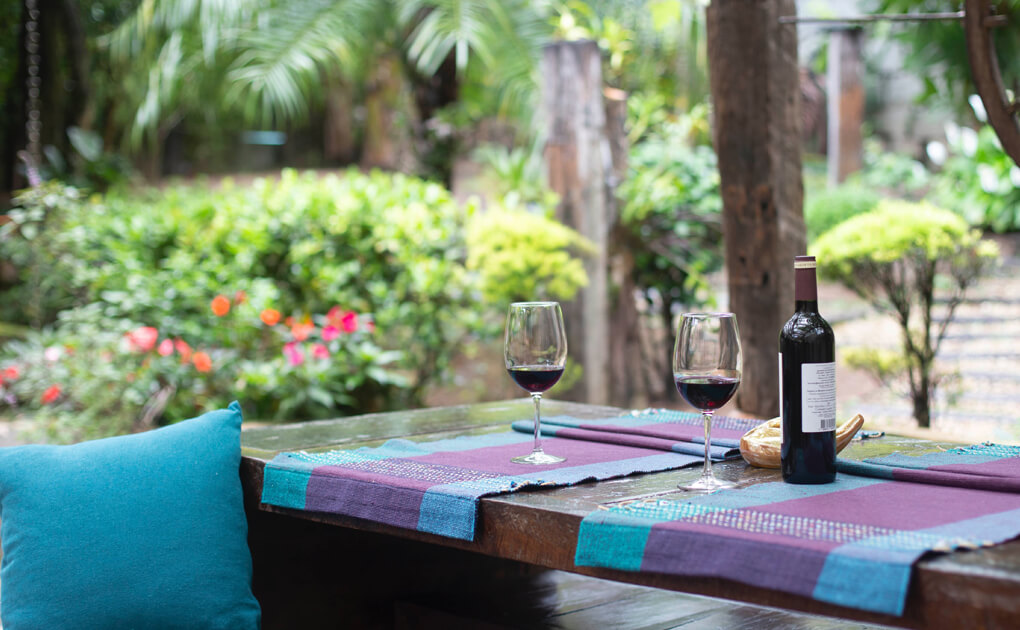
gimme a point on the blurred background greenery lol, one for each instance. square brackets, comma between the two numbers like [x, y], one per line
[170, 131]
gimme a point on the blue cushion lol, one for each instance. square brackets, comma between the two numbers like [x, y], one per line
[137, 531]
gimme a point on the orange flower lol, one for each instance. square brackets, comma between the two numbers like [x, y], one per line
[240, 297]
[52, 393]
[301, 331]
[270, 316]
[202, 362]
[220, 305]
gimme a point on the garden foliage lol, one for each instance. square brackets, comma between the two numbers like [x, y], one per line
[891, 256]
[301, 297]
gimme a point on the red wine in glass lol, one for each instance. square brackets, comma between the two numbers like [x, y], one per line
[535, 378]
[535, 353]
[706, 393]
[706, 369]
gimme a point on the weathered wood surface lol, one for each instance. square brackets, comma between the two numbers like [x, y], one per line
[579, 161]
[975, 589]
[846, 104]
[753, 72]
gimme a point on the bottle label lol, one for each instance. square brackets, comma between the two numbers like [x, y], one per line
[818, 397]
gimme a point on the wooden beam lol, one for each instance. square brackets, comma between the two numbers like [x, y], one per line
[579, 160]
[845, 104]
[756, 105]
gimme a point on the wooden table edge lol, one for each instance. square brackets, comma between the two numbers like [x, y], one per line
[938, 597]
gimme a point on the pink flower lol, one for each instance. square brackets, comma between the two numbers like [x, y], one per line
[143, 339]
[51, 394]
[11, 373]
[320, 351]
[293, 353]
[370, 326]
[166, 348]
[330, 332]
[349, 321]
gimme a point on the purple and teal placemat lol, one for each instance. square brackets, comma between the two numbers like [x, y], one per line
[851, 543]
[677, 431]
[435, 486]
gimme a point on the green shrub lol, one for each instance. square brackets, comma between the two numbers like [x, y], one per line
[389, 250]
[891, 256]
[828, 208]
[672, 211]
[522, 255]
[979, 181]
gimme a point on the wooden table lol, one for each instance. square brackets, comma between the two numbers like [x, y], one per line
[296, 552]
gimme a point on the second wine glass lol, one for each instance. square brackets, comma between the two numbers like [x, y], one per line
[706, 368]
[535, 352]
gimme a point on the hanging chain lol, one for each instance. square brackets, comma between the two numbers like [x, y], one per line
[32, 156]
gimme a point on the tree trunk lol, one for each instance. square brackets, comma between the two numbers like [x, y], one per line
[339, 143]
[390, 118]
[579, 160]
[756, 95]
[628, 388]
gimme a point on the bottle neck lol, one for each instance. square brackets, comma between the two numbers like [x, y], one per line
[806, 290]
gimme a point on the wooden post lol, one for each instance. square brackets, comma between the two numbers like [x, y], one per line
[845, 104]
[579, 159]
[756, 101]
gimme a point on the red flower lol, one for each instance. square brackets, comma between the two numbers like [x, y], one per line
[270, 316]
[184, 349]
[202, 362]
[12, 373]
[320, 351]
[349, 321]
[301, 331]
[220, 305]
[166, 348]
[330, 332]
[52, 393]
[143, 339]
[294, 355]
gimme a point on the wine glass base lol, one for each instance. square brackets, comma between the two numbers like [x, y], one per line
[538, 457]
[707, 484]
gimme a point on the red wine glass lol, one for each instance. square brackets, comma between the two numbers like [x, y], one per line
[535, 351]
[706, 369]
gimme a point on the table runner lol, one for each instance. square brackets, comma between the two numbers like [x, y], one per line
[852, 542]
[435, 486]
[677, 431]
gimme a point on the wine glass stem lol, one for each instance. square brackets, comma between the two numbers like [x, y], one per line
[538, 420]
[707, 471]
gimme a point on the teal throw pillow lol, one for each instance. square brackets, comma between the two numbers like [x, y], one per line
[137, 531]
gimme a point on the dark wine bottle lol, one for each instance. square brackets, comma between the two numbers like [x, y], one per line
[807, 385]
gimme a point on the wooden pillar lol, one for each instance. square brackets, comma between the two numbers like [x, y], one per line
[756, 101]
[579, 160]
[845, 104]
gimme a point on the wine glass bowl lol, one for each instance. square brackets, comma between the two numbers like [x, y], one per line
[706, 369]
[535, 354]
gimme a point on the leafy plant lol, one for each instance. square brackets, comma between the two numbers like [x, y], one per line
[831, 206]
[979, 181]
[672, 212]
[523, 255]
[219, 269]
[891, 257]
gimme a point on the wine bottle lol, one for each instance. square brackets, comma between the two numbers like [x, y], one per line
[807, 385]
